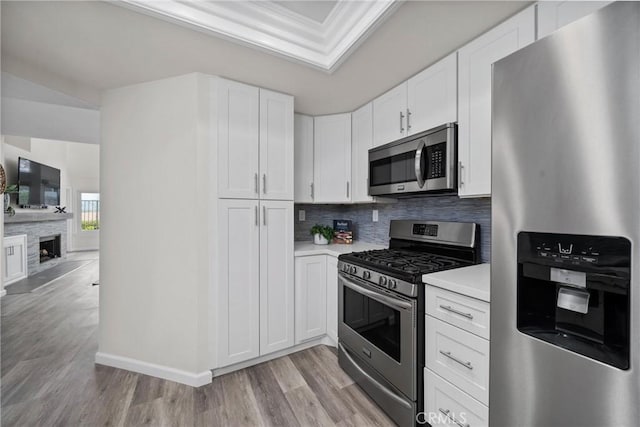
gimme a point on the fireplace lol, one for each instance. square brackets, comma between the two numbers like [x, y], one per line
[50, 248]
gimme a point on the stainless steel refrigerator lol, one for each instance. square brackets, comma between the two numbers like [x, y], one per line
[565, 291]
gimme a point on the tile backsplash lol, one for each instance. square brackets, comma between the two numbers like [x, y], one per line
[439, 208]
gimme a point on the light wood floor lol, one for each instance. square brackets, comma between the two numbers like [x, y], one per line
[48, 378]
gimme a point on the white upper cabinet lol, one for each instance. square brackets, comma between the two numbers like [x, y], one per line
[276, 145]
[474, 98]
[276, 276]
[332, 158]
[238, 140]
[553, 15]
[432, 96]
[361, 142]
[303, 142]
[389, 115]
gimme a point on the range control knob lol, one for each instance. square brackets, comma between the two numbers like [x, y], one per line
[366, 275]
[383, 281]
[345, 268]
[392, 284]
[353, 270]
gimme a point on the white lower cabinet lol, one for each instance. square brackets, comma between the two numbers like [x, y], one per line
[447, 405]
[15, 258]
[254, 293]
[311, 297]
[332, 298]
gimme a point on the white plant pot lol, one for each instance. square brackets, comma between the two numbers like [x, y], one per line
[319, 239]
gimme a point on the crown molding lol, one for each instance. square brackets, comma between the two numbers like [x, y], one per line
[273, 28]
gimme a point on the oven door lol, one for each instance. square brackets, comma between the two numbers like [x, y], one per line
[380, 327]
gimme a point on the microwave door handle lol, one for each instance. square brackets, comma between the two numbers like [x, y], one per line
[418, 163]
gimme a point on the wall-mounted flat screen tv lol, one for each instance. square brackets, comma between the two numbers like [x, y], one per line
[38, 184]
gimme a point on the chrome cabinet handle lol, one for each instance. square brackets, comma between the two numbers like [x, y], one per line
[401, 122]
[347, 189]
[312, 190]
[460, 180]
[460, 313]
[408, 118]
[449, 415]
[418, 164]
[264, 215]
[257, 223]
[255, 179]
[264, 183]
[455, 359]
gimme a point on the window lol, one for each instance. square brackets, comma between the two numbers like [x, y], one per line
[90, 211]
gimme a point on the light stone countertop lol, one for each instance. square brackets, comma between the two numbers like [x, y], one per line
[308, 248]
[474, 281]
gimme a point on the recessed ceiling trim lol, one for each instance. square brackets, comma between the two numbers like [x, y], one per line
[274, 28]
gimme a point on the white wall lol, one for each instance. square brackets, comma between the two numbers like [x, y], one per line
[79, 166]
[154, 251]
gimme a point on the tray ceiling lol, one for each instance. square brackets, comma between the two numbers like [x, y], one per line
[320, 34]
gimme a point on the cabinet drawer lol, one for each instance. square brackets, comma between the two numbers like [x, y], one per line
[462, 311]
[447, 405]
[459, 357]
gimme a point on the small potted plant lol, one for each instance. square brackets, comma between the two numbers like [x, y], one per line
[322, 234]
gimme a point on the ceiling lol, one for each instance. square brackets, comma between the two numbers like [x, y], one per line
[312, 9]
[82, 48]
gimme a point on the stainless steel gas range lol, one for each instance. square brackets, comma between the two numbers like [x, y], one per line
[381, 309]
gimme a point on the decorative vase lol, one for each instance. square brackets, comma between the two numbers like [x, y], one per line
[319, 239]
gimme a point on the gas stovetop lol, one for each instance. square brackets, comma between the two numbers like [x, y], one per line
[403, 264]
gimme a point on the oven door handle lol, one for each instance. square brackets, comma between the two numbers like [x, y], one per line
[418, 163]
[381, 298]
[380, 387]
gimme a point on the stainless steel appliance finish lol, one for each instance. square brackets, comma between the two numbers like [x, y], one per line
[381, 309]
[566, 156]
[420, 163]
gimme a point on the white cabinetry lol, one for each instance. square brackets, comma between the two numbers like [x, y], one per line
[303, 140]
[238, 140]
[553, 15]
[332, 298]
[15, 258]
[255, 282]
[389, 114]
[255, 142]
[332, 158]
[474, 98]
[361, 142]
[276, 145]
[426, 100]
[311, 297]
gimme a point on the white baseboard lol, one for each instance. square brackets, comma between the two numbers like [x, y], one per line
[159, 371]
[325, 340]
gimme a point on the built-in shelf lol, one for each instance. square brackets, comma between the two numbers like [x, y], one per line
[36, 217]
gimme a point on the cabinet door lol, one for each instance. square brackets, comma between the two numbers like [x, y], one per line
[238, 287]
[332, 158]
[474, 98]
[276, 145]
[361, 142]
[389, 115]
[15, 258]
[447, 405]
[332, 298]
[303, 165]
[553, 15]
[238, 140]
[311, 297]
[276, 276]
[432, 96]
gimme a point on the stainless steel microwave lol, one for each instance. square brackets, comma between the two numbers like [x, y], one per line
[420, 163]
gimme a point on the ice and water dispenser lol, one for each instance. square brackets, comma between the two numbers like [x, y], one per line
[573, 292]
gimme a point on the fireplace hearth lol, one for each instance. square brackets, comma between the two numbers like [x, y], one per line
[50, 248]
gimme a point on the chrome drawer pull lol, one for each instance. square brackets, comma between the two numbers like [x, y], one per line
[455, 359]
[460, 313]
[448, 414]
